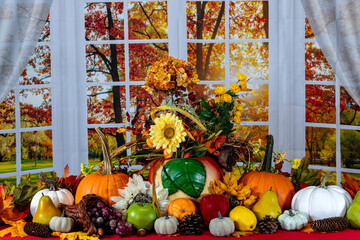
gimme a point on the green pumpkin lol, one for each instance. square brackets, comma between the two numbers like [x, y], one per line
[187, 175]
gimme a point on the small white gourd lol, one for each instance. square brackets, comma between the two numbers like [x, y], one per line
[293, 220]
[221, 226]
[167, 225]
[61, 224]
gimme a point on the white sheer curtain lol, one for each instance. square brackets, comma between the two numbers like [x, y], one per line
[21, 24]
[336, 26]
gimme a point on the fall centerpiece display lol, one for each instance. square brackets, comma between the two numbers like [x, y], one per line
[199, 172]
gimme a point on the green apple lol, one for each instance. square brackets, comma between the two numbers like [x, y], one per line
[141, 215]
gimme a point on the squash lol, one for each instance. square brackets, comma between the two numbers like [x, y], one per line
[322, 202]
[221, 226]
[181, 207]
[262, 181]
[105, 184]
[61, 224]
[186, 178]
[293, 220]
[57, 195]
[167, 225]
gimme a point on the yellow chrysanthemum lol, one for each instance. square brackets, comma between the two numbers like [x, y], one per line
[241, 77]
[237, 120]
[243, 85]
[227, 98]
[240, 107]
[219, 99]
[234, 88]
[220, 90]
[296, 164]
[168, 132]
[238, 113]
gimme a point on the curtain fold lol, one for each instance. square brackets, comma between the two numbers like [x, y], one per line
[336, 26]
[21, 24]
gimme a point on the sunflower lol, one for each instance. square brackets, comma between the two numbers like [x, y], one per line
[167, 133]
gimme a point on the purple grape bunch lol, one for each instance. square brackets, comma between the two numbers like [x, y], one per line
[107, 218]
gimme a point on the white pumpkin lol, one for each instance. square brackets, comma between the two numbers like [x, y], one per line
[322, 202]
[57, 195]
[61, 224]
[167, 225]
[221, 226]
[293, 220]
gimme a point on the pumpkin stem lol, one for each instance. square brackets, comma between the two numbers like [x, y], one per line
[52, 184]
[166, 215]
[291, 213]
[219, 215]
[266, 165]
[107, 169]
[323, 181]
[270, 188]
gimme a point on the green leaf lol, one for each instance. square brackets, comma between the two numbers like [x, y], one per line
[187, 175]
[204, 115]
[204, 104]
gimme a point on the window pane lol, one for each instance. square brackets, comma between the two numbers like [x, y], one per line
[253, 137]
[249, 20]
[320, 104]
[142, 56]
[94, 144]
[308, 31]
[7, 153]
[36, 150]
[45, 35]
[350, 151]
[38, 69]
[255, 102]
[349, 109]
[100, 59]
[251, 59]
[104, 106]
[141, 101]
[206, 91]
[316, 65]
[208, 58]
[35, 107]
[205, 19]
[148, 20]
[321, 146]
[104, 21]
[7, 112]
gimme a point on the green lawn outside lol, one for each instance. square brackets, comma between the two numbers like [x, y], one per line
[34, 178]
[7, 167]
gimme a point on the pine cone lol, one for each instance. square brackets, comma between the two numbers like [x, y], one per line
[79, 211]
[142, 197]
[37, 229]
[268, 225]
[191, 224]
[233, 201]
[330, 224]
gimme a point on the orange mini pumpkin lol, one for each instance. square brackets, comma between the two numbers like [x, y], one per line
[181, 207]
[105, 184]
[262, 181]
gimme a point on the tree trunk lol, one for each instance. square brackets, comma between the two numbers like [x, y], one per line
[115, 77]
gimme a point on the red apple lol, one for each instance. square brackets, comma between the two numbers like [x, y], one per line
[211, 204]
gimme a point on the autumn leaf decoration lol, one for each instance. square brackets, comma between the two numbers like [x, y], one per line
[6, 207]
[16, 228]
[231, 186]
[70, 182]
[351, 185]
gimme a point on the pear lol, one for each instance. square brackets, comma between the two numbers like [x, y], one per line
[267, 205]
[353, 212]
[45, 211]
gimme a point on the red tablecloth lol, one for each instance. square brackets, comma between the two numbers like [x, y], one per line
[279, 235]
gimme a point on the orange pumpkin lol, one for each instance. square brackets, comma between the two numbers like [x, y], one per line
[181, 207]
[105, 184]
[264, 180]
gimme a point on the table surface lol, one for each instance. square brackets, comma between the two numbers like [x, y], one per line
[279, 235]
